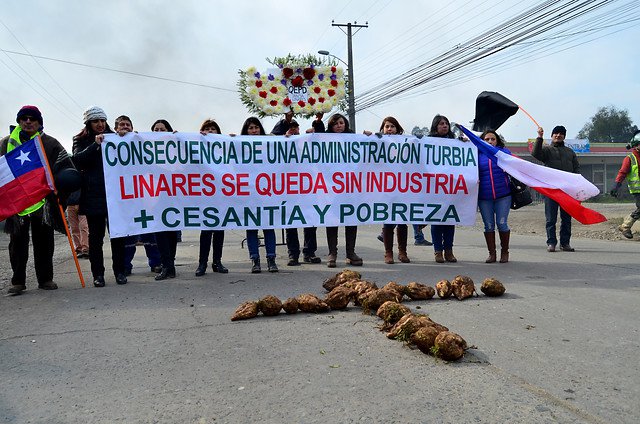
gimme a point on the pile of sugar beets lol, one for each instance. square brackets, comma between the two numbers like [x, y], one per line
[398, 320]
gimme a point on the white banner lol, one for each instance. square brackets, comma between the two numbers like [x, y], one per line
[162, 181]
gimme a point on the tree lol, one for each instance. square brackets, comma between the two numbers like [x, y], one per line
[609, 125]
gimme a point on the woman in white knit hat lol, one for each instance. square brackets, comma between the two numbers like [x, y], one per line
[87, 156]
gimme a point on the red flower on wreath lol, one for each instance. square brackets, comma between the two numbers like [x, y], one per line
[258, 83]
[301, 103]
[263, 94]
[333, 69]
[317, 90]
[274, 90]
[308, 73]
[321, 99]
[287, 72]
[273, 103]
[312, 101]
[297, 81]
[334, 83]
[286, 101]
[331, 93]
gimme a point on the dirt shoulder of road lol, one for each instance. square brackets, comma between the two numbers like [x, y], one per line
[530, 220]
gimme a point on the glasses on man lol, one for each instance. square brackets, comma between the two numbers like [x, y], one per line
[28, 118]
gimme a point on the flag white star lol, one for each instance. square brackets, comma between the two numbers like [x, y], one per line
[24, 157]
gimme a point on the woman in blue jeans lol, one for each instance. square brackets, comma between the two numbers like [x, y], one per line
[442, 235]
[253, 126]
[494, 198]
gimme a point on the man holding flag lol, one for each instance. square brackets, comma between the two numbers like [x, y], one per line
[556, 156]
[567, 190]
[25, 188]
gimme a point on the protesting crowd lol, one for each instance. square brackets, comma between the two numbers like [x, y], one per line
[85, 199]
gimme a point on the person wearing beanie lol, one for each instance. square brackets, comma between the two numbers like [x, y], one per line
[29, 110]
[556, 156]
[94, 113]
[39, 218]
[87, 156]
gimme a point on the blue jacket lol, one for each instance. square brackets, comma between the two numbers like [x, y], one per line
[494, 182]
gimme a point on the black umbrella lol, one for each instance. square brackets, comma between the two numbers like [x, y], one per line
[492, 110]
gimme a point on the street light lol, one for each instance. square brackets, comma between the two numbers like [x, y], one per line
[351, 103]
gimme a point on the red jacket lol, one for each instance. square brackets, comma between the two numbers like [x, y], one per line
[626, 166]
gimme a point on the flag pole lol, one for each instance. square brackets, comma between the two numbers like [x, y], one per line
[530, 117]
[64, 218]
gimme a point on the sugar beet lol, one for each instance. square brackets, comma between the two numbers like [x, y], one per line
[462, 287]
[417, 291]
[492, 287]
[246, 310]
[270, 305]
[443, 288]
[449, 346]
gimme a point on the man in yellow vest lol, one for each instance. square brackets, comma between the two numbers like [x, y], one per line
[629, 170]
[37, 217]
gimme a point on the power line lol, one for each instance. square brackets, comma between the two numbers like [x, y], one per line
[542, 18]
[41, 67]
[53, 103]
[137, 74]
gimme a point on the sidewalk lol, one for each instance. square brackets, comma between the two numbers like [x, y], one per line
[560, 346]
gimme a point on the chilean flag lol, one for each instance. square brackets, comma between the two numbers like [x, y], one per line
[24, 181]
[566, 188]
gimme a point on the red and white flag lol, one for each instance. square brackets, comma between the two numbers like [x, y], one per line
[24, 180]
[566, 188]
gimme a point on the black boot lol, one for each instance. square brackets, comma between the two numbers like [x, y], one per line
[166, 273]
[202, 269]
[121, 279]
[271, 265]
[255, 269]
[217, 266]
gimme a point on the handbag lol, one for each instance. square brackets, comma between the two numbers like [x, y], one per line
[520, 193]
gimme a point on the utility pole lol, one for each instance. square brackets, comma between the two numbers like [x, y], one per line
[351, 99]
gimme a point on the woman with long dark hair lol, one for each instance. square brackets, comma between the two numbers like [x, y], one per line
[253, 126]
[340, 124]
[210, 239]
[442, 235]
[391, 126]
[167, 240]
[494, 198]
[87, 156]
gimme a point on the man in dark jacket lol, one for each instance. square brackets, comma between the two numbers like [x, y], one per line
[557, 156]
[283, 125]
[38, 217]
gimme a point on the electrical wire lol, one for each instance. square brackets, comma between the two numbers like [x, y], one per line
[55, 81]
[137, 74]
[524, 27]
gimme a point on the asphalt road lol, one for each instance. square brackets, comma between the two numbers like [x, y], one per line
[560, 346]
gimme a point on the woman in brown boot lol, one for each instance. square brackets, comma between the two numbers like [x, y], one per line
[494, 198]
[442, 235]
[338, 123]
[391, 126]
[387, 238]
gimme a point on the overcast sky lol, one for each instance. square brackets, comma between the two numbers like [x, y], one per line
[207, 42]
